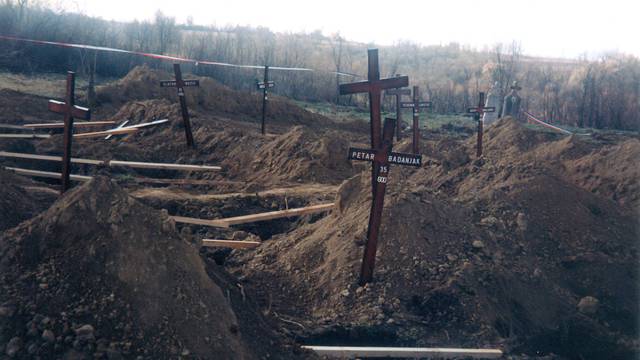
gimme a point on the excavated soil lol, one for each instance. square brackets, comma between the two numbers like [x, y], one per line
[507, 251]
[532, 249]
[101, 275]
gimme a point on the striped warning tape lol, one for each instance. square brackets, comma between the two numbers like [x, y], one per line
[547, 125]
[167, 57]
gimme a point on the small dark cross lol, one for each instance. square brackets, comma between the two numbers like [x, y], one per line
[181, 84]
[265, 86]
[416, 105]
[383, 157]
[374, 87]
[70, 111]
[398, 94]
[478, 112]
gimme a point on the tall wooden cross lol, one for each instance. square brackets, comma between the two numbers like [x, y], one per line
[374, 86]
[70, 111]
[478, 113]
[181, 84]
[265, 86]
[383, 157]
[398, 94]
[416, 105]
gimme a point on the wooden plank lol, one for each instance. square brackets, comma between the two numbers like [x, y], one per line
[232, 244]
[24, 136]
[14, 127]
[397, 352]
[165, 166]
[228, 222]
[103, 133]
[48, 158]
[46, 174]
[60, 125]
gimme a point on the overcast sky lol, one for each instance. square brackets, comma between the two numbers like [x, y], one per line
[555, 28]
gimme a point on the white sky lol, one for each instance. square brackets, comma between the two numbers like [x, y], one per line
[555, 28]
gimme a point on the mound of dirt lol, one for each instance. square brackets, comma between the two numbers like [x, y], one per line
[101, 275]
[21, 199]
[504, 252]
[19, 108]
[142, 83]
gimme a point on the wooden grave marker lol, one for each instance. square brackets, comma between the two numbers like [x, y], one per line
[416, 105]
[478, 113]
[180, 84]
[265, 85]
[374, 86]
[383, 157]
[70, 111]
[398, 94]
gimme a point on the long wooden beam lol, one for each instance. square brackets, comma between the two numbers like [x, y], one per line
[165, 166]
[46, 174]
[60, 125]
[232, 244]
[228, 222]
[14, 127]
[398, 352]
[114, 163]
[24, 136]
[48, 158]
[106, 132]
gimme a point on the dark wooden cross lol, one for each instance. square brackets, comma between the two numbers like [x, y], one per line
[265, 86]
[398, 94]
[416, 105]
[374, 87]
[70, 111]
[478, 112]
[383, 157]
[181, 84]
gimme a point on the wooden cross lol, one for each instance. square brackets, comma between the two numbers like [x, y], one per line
[416, 105]
[478, 112]
[264, 86]
[181, 84]
[374, 86]
[383, 157]
[398, 94]
[70, 111]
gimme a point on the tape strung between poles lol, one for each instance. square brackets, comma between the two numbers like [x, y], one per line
[167, 57]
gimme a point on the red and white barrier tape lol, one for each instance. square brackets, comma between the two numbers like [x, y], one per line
[164, 57]
[547, 125]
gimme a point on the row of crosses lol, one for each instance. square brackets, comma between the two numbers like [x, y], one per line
[380, 154]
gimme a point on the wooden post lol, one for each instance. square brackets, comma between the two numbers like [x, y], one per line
[180, 84]
[265, 85]
[70, 110]
[416, 105]
[383, 156]
[478, 112]
[374, 86]
[398, 94]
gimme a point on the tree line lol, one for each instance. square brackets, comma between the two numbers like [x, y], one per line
[603, 93]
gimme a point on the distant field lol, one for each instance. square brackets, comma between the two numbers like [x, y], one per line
[344, 113]
[43, 84]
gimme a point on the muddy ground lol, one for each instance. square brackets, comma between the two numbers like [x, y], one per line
[532, 249]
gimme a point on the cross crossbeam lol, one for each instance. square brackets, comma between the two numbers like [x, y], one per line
[180, 84]
[70, 111]
[416, 105]
[478, 113]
